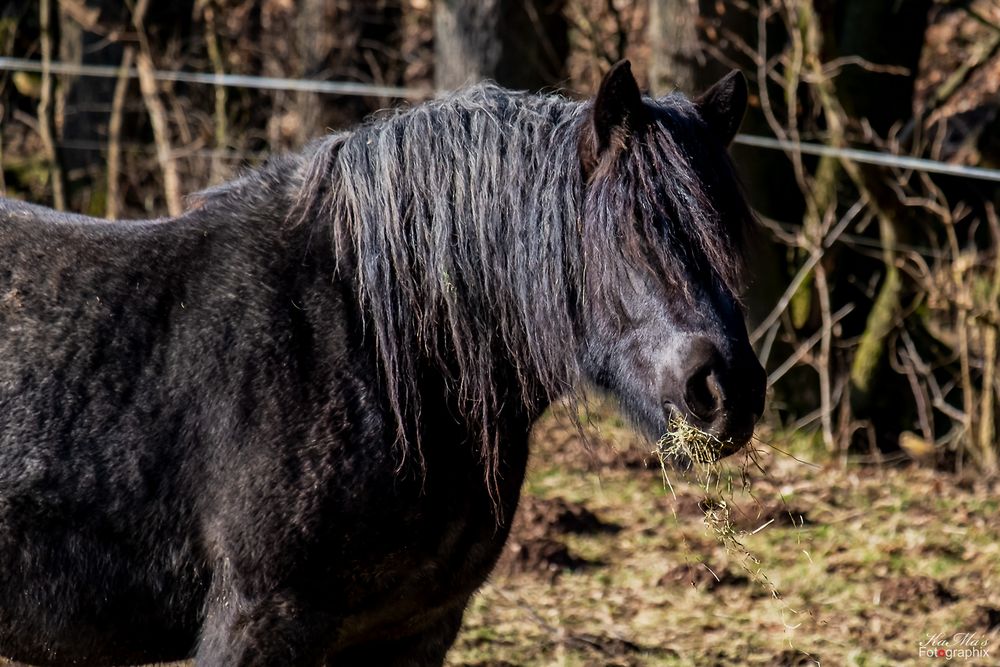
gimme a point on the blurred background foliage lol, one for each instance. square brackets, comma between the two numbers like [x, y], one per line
[875, 299]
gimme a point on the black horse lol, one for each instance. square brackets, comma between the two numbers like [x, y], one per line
[289, 427]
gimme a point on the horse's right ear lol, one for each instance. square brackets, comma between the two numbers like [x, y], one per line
[723, 106]
[618, 108]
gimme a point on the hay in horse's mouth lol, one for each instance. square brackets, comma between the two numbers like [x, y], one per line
[685, 440]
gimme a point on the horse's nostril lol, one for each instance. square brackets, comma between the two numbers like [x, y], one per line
[703, 395]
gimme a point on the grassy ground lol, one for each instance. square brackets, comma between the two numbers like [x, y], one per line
[607, 567]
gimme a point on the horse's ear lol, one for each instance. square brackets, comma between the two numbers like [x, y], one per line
[618, 108]
[723, 105]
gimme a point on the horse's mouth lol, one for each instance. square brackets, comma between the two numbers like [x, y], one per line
[688, 442]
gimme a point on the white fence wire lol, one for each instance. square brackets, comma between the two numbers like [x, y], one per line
[904, 162]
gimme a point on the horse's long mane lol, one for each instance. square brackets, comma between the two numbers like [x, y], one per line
[473, 239]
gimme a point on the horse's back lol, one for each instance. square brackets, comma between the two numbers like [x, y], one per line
[15, 210]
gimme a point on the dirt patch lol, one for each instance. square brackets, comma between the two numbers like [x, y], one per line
[794, 658]
[769, 514]
[746, 516]
[541, 556]
[844, 562]
[534, 546]
[915, 594]
[539, 516]
[985, 618]
[614, 651]
[683, 505]
[702, 578]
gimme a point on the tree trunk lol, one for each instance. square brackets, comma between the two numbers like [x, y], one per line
[84, 100]
[46, 107]
[884, 32]
[517, 43]
[674, 46]
[312, 48]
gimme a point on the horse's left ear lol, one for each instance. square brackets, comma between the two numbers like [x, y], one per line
[723, 106]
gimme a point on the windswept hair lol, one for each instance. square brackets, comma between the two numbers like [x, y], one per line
[474, 238]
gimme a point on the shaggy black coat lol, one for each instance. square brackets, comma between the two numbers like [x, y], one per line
[275, 431]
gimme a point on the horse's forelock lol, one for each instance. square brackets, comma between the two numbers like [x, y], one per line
[691, 216]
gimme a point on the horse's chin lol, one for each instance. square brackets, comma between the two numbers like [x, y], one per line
[730, 448]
